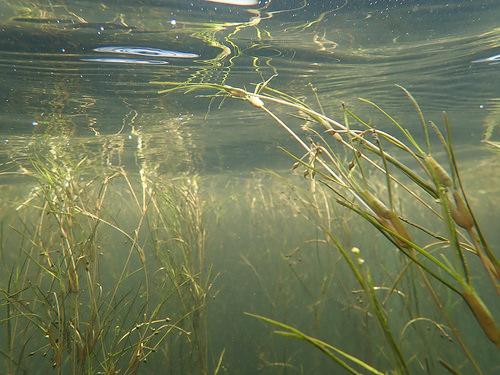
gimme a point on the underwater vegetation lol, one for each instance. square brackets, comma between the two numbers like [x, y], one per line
[375, 253]
[85, 308]
[444, 249]
[110, 271]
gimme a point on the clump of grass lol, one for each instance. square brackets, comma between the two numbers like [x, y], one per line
[66, 297]
[174, 219]
[432, 188]
[179, 240]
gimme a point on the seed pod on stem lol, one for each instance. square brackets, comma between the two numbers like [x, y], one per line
[483, 315]
[255, 101]
[460, 213]
[376, 205]
[438, 171]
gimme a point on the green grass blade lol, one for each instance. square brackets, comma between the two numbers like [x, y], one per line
[324, 347]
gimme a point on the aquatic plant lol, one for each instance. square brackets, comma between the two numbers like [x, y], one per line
[79, 289]
[351, 168]
[179, 237]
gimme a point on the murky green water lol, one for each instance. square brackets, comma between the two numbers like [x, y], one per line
[136, 228]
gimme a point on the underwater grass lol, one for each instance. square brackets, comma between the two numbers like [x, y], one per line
[106, 270]
[427, 185]
[66, 297]
[179, 239]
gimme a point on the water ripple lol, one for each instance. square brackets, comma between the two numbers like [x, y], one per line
[146, 51]
[124, 61]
